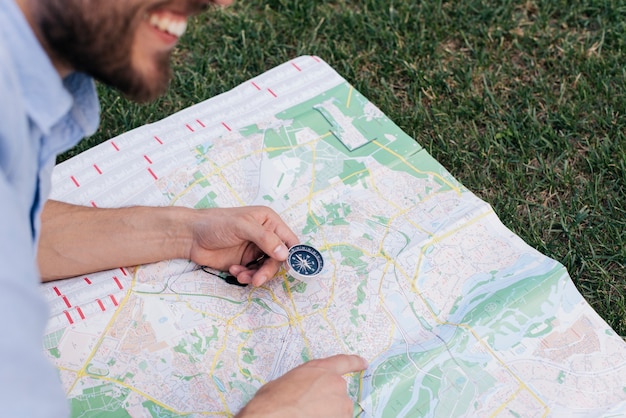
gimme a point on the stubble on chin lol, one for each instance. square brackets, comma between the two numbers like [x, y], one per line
[101, 46]
[141, 86]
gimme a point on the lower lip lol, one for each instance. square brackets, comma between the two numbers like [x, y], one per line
[165, 37]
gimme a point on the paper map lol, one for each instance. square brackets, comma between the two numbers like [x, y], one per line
[455, 313]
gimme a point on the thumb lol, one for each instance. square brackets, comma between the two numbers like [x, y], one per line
[341, 363]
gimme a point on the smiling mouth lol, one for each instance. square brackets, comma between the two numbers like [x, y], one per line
[169, 23]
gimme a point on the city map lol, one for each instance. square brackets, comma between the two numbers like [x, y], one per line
[456, 315]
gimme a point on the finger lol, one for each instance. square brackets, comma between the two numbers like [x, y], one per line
[272, 235]
[277, 225]
[341, 363]
[286, 235]
[236, 269]
[266, 271]
[267, 242]
[258, 279]
[273, 246]
[257, 276]
[243, 275]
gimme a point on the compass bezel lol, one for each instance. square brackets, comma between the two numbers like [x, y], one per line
[297, 273]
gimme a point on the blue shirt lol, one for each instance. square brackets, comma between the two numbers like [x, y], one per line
[40, 116]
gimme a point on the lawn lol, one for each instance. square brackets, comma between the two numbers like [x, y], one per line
[523, 102]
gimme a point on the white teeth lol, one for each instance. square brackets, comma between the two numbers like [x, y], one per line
[174, 27]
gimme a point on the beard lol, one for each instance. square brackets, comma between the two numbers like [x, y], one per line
[96, 38]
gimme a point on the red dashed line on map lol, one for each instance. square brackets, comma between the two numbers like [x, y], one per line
[56, 290]
[86, 279]
[67, 302]
[315, 58]
[113, 300]
[200, 123]
[117, 281]
[189, 127]
[123, 271]
[80, 312]
[296, 66]
[93, 204]
[102, 308]
[272, 93]
[255, 85]
[115, 146]
[69, 317]
[75, 181]
[147, 159]
[158, 140]
[152, 174]
[97, 169]
[226, 126]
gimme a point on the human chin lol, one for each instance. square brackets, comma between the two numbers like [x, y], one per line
[144, 81]
[154, 80]
[148, 70]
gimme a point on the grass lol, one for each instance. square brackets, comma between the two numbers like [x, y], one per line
[524, 102]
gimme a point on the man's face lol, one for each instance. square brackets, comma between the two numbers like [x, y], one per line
[123, 43]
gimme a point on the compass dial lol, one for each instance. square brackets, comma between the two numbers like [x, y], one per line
[304, 261]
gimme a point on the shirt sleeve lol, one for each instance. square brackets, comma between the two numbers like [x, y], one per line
[30, 384]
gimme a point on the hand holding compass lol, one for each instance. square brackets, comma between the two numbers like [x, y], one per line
[304, 263]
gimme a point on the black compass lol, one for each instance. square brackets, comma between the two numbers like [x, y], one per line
[304, 262]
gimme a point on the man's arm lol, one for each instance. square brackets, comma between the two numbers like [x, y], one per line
[79, 240]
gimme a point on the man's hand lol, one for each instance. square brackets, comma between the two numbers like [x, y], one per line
[228, 239]
[81, 240]
[314, 389]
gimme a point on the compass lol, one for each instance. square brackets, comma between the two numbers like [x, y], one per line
[304, 262]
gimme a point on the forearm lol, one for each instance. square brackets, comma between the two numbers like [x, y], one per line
[79, 240]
